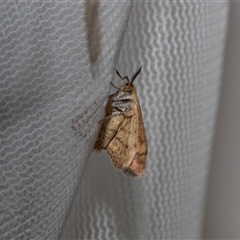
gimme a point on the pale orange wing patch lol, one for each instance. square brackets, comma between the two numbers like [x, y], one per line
[138, 162]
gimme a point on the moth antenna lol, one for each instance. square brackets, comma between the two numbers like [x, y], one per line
[126, 77]
[135, 75]
[115, 86]
[118, 74]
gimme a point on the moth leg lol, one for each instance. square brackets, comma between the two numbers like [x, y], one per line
[116, 114]
[115, 86]
[113, 115]
[120, 112]
[126, 77]
[120, 97]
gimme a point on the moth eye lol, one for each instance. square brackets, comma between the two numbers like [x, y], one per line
[127, 84]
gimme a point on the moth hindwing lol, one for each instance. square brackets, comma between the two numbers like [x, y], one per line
[122, 131]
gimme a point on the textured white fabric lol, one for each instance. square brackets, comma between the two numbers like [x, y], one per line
[181, 47]
[47, 80]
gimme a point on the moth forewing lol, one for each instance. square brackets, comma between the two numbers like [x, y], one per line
[122, 131]
[138, 163]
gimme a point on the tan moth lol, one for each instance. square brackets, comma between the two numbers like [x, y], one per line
[122, 131]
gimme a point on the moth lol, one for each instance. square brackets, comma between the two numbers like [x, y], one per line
[122, 131]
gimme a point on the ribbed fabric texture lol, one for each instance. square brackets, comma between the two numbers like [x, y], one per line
[47, 81]
[181, 48]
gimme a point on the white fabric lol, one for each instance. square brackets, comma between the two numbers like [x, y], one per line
[181, 48]
[47, 81]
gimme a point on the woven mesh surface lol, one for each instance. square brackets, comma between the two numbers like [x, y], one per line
[181, 49]
[47, 81]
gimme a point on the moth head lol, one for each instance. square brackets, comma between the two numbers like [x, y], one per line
[127, 84]
[127, 87]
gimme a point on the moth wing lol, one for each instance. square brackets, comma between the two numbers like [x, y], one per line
[108, 127]
[108, 131]
[138, 162]
[123, 146]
